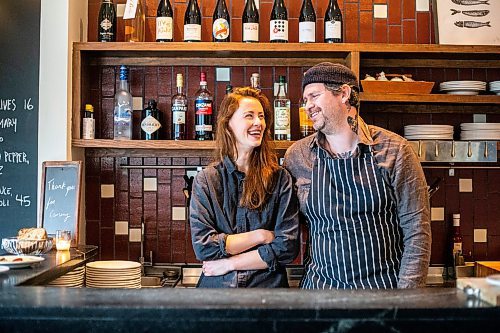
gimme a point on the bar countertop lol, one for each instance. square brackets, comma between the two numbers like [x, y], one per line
[50, 309]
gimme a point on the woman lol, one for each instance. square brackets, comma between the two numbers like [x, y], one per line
[243, 212]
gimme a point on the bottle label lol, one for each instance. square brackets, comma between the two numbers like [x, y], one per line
[164, 27]
[333, 29]
[106, 24]
[88, 128]
[192, 32]
[179, 117]
[250, 32]
[282, 120]
[457, 247]
[307, 32]
[278, 30]
[130, 9]
[203, 128]
[220, 29]
[203, 107]
[150, 124]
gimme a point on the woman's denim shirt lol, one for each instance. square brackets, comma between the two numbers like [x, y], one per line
[215, 213]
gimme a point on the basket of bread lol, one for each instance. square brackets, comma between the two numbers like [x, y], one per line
[29, 241]
[395, 84]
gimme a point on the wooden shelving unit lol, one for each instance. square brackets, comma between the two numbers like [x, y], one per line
[356, 56]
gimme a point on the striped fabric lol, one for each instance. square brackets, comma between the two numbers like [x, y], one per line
[354, 236]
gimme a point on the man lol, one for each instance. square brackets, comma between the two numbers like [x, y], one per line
[362, 191]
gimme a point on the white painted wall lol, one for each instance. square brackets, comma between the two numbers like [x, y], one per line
[62, 23]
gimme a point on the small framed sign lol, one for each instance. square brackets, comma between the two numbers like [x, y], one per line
[467, 22]
[60, 197]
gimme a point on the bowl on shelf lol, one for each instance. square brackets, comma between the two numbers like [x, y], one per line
[32, 247]
[397, 87]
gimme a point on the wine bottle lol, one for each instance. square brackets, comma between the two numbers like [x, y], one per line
[457, 236]
[278, 29]
[334, 25]
[203, 111]
[88, 128]
[151, 120]
[220, 25]
[179, 109]
[192, 22]
[282, 113]
[122, 115]
[307, 23]
[164, 22]
[250, 19]
[107, 22]
[135, 21]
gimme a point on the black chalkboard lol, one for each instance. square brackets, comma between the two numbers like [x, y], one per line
[19, 81]
[60, 202]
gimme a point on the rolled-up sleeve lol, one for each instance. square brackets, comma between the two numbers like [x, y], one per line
[285, 246]
[208, 244]
[414, 217]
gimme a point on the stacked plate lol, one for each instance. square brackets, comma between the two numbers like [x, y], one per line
[73, 279]
[480, 131]
[113, 274]
[428, 132]
[495, 87]
[462, 87]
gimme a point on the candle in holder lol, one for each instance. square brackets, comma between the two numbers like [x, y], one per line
[63, 240]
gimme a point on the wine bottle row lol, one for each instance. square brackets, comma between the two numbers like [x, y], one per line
[221, 24]
[152, 121]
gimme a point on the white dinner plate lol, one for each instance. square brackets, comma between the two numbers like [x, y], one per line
[114, 264]
[25, 261]
[494, 279]
[3, 269]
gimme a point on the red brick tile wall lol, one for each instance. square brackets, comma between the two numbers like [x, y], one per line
[170, 240]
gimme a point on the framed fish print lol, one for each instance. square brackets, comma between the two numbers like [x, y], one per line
[467, 22]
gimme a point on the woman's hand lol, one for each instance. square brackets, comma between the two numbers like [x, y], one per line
[217, 267]
[267, 236]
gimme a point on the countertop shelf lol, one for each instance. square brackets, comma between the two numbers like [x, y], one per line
[158, 144]
[429, 98]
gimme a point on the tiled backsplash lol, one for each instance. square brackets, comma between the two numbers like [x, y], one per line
[118, 200]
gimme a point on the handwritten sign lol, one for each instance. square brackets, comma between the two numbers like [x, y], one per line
[60, 203]
[19, 83]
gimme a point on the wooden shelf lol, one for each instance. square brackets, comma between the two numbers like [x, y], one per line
[158, 144]
[430, 98]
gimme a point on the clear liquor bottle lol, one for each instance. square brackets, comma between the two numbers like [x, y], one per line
[122, 115]
[282, 113]
[255, 81]
[179, 110]
[135, 21]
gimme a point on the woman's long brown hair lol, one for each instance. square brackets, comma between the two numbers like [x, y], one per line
[260, 176]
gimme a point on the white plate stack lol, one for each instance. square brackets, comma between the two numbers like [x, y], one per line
[495, 87]
[480, 131]
[429, 132]
[73, 279]
[113, 274]
[462, 87]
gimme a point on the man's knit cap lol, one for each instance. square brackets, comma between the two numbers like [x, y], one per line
[327, 72]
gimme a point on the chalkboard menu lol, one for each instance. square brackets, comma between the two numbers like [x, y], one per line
[60, 202]
[19, 68]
